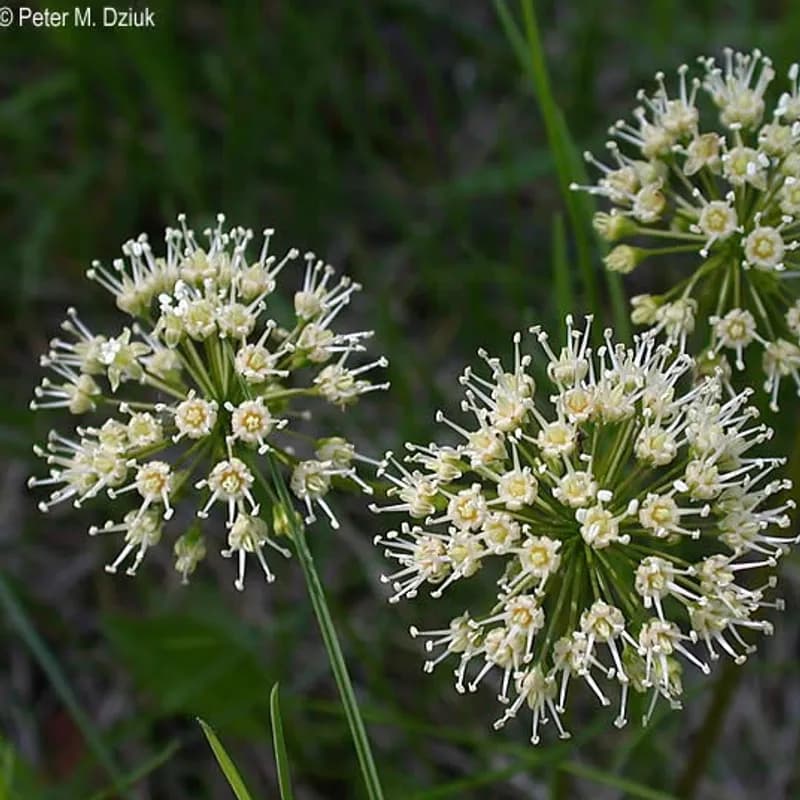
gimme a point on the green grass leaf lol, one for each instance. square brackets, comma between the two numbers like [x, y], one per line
[279, 744]
[528, 48]
[227, 766]
[529, 51]
[197, 667]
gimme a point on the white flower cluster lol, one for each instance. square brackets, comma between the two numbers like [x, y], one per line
[632, 524]
[213, 366]
[730, 197]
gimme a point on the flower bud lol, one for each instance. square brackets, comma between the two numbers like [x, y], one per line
[612, 227]
[282, 523]
[644, 308]
[623, 258]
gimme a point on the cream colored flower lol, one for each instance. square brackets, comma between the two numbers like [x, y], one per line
[600, 576]
[211, 382]
[724, 202]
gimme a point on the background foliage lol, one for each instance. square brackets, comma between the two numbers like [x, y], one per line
[401, 138]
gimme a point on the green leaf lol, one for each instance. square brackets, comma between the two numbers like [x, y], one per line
[200, 667]
[225, 764]
[7, 763]
[33, 94]
[6, 771]
[17, 779]
[279, 744]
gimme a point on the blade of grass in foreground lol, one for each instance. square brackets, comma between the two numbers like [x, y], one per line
[708, 734]
[51, 668]
[281, 757]
[530, 53]
[227, 766]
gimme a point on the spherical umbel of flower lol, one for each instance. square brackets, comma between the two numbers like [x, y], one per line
[725, 199]
[210, 378]
[628, 509]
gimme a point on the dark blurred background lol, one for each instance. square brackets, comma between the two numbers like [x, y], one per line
[401, 140]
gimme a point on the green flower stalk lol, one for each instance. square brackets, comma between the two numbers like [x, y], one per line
[201, 404]
[726, 193]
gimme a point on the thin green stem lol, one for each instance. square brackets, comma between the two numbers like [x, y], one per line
[723, 290]
[338, 666]
[316, 592]
[525, 41]
[197, 369]
[665, 251]
[559, 146]
[164, 387]
[710, 265]
[567, 580]
[669, 234]
[620, 450]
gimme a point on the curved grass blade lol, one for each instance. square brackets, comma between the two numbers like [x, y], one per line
[227, 766]
[279, 744]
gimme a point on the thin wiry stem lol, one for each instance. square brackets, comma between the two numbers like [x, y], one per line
[327, 628]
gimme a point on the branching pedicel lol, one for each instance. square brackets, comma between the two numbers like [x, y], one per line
[188, 397]
[731, 197]
[632, 520]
